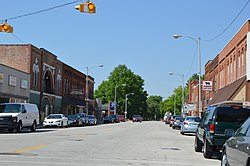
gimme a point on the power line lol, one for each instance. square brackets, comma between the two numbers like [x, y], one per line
[193, 61]
[17, 38]
[41, 11]
[229, 24]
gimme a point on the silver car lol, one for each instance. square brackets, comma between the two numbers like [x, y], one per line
[190, 124]
[177, 122]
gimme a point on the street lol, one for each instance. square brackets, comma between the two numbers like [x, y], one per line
[146, 143]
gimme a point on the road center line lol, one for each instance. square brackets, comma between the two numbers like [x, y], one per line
[30, 148]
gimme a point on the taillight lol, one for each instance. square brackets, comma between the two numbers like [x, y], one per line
[174, 120]
[211, 128]
[185, 123]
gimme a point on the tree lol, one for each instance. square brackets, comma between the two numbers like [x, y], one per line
[195, 76]
[154, 111]
[134, 84]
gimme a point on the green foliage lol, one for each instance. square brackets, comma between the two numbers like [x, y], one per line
[195, 76]
[154, 111]
[134, 84]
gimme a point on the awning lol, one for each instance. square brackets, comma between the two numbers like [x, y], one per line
[73, 101]
[227, 92]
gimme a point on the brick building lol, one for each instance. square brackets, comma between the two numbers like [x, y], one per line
[73, 90]
[52, 82]
[192, 97]
[229, 71]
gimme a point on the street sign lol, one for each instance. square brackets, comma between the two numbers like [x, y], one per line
[112, 106]
[207, 85]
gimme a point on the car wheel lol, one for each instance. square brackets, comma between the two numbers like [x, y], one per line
[33, 127]
[61, 125]
[197, 145]
[10, 130]
[67, 125]
[207, 150]
[19, 127]
[224, 161]
[182, 133]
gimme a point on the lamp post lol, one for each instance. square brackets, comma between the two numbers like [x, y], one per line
[182, 90]
[174, 104]
[87, 87]
[116, 86]
[199, 68]
[126, 104]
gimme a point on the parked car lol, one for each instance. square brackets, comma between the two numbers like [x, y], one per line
[92, 120]
[121, 118]
[218, 124]
[172, 119]
[177, 122]
[116, 118]
[190, 124]
[75, 120]
[84, 118]
[109, 119]
[18, 115]
[55, 120]
[167, 120]
[235, 151]
[137, 118]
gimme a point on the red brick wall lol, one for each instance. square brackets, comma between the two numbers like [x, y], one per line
[16, 56]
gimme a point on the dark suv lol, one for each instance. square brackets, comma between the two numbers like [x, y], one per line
[217, 125]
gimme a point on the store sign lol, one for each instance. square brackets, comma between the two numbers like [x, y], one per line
[12, 80]
[112, 106]
[24, 84]
[1, 77]
[207, 85]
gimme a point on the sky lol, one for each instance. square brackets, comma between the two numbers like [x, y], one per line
[138, 34]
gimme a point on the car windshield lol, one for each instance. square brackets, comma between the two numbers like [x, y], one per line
[10, 108]
[54, 117]
[192, 119]
[232, 114]
[91, 117]
[74, 116]
[179, 118]
[82, 115]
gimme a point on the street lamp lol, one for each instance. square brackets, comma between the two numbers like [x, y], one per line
[87, 87]
[126, 104]
[182, 96]
[116, 86]
[174, 103]
[199, 68]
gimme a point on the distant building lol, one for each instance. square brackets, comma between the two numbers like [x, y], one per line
[192, 97]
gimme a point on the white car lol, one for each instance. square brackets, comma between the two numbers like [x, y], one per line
[55, 120]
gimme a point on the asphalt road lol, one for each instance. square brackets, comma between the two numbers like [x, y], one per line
[120, 144]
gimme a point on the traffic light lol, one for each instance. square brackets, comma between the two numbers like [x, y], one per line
[7, 28]
[80, 7]
[91, 7]
[1, 29]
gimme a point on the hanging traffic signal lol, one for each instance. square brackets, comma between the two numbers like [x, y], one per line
[80, 7]
[91, 7]
[7, 28]
[1, 29]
